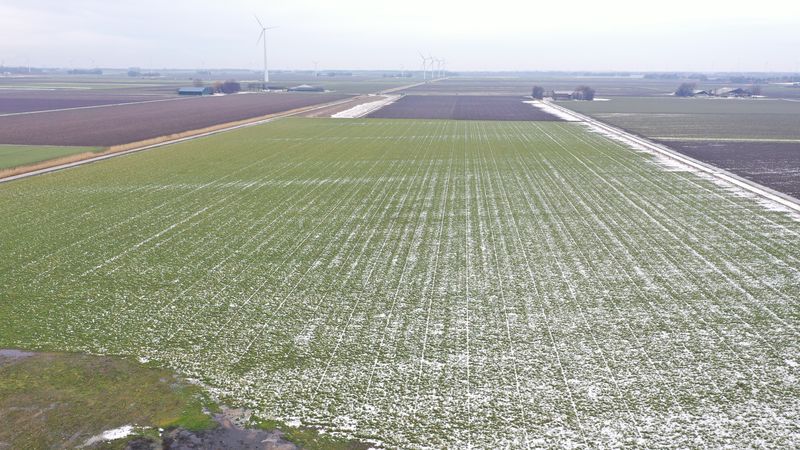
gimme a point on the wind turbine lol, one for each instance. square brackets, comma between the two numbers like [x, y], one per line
[263, 37]
[433, 67]
[316, 68]
[424, 66]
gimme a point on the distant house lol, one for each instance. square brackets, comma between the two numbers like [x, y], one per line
[196, 91]
[563, 95]
[306, 88]
[731, 92]
[700, 93]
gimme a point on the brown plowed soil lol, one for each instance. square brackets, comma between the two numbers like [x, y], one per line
[115, 125]
[772, 164]
[28, 101]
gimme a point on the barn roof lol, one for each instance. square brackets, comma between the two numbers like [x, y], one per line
[728, 90]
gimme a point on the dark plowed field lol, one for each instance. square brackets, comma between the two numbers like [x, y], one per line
[772, 164]
[462, 107]
[27, 101]
[114, 125]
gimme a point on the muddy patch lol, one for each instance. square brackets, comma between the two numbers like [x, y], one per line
[10, 355]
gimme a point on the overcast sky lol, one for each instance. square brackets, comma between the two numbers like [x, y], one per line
[359, 34]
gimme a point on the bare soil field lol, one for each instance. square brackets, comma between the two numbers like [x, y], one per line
[605, 86]
[123, 124]
[773, 164]
[758, 139]
[462, 107]
[43, 100]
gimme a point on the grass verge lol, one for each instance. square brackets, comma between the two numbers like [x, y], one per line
[13, 156]
[61, 400]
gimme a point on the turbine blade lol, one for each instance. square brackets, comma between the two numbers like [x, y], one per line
[259, 21]
[260, 36]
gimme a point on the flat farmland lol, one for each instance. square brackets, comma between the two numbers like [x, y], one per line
[606, 86]
[425, 284]
[122, 124]
[44, 100]
[86, 83]
[680, 118]
[772, 164]
[357, 84]
[461, 107]
[523, 84]
[758, 139]
[20, 155]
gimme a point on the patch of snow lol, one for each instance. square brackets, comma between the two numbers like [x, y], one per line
[110, 435]
[554, 111]
[294, 423]
[365, 108]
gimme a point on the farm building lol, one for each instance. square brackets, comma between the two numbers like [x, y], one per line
[562, 95]
[700, 93]
[195, 91]
[731, 92]
[306, 88]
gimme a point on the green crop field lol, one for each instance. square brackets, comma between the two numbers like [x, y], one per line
[20, 155]
[707, 118]
[425, 284]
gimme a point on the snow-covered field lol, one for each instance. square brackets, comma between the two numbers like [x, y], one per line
[424, 284]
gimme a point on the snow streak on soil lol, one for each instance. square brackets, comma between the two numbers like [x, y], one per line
[424, 284]
[546, 107]
[365, 108]
[110, 435]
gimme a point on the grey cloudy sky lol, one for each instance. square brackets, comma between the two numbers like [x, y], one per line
[358, 34]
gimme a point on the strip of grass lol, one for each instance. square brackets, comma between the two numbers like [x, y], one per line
[12, 156]
[56, 400]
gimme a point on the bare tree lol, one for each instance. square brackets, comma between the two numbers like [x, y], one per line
[583, 93]
[685, 90]
[231, 87]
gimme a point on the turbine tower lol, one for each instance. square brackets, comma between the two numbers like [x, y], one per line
[424, 66]
[263, 37]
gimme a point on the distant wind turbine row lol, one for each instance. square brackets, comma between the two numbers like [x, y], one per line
[432, 67]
